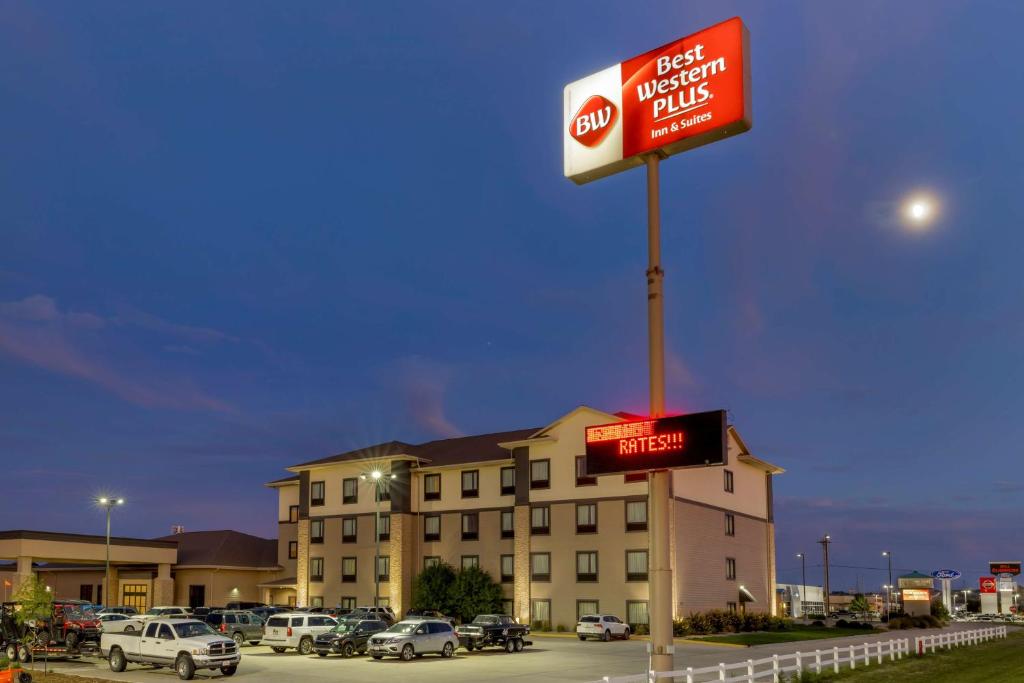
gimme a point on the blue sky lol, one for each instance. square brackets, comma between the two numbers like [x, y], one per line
[243, 235]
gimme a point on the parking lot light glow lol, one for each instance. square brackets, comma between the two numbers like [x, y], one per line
[376, 474]
[103, 501]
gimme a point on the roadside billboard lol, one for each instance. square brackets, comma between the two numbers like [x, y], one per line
[694, 440]
[682, 95]
[998, 568]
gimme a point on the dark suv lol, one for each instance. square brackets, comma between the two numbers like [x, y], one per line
[348, 637]
[241, 626]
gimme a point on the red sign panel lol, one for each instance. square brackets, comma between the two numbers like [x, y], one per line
[695, 440]
[987, 584]
[998, 568]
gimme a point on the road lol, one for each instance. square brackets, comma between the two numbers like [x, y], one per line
[550, 660]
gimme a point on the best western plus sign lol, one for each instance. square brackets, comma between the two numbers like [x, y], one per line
[682, 95]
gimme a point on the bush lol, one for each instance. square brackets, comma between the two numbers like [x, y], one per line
[939, 611]
[560, 628]
[816, 617]
[817, 622]
[842, 623]
[642, 630]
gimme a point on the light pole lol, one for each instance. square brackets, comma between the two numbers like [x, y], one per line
[380, 482]
[888, 606]
[109, 504]
[965, 592]
[803, 585]
[825, 541]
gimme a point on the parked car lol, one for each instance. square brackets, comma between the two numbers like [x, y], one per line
[239, 625]
[115, 622]
[348, 637]
[71, 623]
[296, 630]
[185, 644]
[382, 613]
[494, 629]
[130, 611]
[414, 638]
[244, 605]
[167, 612]
[603, 626]
[265, 613]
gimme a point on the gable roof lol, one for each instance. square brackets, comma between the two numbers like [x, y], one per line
[375, 452]
[224, 548]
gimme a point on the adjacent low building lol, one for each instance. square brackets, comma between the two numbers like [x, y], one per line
[520, 505]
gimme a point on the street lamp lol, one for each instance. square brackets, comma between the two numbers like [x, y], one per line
[381, 482]
[825, 541]
[888, 555]
[803, 586]
[109, 504]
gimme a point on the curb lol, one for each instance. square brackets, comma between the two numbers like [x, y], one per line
[677, 641]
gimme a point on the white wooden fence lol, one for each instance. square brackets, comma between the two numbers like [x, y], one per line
[833, 659]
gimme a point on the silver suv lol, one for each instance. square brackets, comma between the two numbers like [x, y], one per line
[414, 638]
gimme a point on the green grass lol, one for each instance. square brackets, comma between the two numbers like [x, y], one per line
[999, 661]
[787, 636]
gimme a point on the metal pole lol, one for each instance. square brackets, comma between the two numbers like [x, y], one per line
[803, 588]
[889, 556]
[659, 483]
[376, 557]
[824, 544]
[106, 573]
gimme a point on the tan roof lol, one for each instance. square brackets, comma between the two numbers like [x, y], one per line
[224, 548]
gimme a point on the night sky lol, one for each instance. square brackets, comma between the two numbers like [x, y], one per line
[235, 236]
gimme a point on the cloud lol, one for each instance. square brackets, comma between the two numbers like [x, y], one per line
[423, 384]
[147, 321]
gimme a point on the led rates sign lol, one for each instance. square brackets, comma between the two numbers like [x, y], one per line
[687, 93]
[998, 568]
[694, 440]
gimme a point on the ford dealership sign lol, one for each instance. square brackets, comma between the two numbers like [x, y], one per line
[946, 574]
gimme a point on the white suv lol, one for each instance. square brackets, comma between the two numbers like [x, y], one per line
[603, 626]
[295, 629]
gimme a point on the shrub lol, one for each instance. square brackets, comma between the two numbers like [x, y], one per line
[816, 617]
[842, 623]
[680, 628]
[642, 630]
[560, 628]
[817, 622]
[537, 625]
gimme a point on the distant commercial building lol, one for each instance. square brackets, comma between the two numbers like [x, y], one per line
[796, 600]
[520, 505]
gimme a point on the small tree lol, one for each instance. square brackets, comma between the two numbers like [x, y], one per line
[939, 610]
[475, 592]
[859, 604]
[35, 606]
[432, 588]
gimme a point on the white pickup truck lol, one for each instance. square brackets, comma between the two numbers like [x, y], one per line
[185, 644]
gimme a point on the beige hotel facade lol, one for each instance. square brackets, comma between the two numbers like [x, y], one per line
[518, 505]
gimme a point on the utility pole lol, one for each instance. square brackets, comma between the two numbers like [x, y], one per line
[803, 586]
[825, 541]
[108, 504]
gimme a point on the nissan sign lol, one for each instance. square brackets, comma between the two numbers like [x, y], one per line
[684, 94]
[694, 440]
[949, 574]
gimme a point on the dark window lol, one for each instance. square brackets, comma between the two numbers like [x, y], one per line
[730, 568]
[730, 485]
[508, 568]
[471, 484]
[440, 627]
[508, 524]
[85, 592]
[470, 526]
[293, 513]
[316, 531]
[432, 528]
[316, 493]
[586, 566]
[196, 595]
[470, 561]
[214, 619]
[636, 565]
[581, 472]
[151, 630]
[348, 570]
[730, 524]
[384, 568]
[508, 481]
[165, 633]
[586, 518]
[432, 487]
[349, 529]
[383, 493]
[316, 569]
[540, 474]
[634, 477]
[293, 550]
[348, 602]
[349, 491]
[540, 520]
[540, 566]
[384, 527]
[636, 515]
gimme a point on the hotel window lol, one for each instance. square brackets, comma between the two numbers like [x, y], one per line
[581, 472]
[293, 514]
[634, 477]
[384, 568]
[293, 550]
[349, 491]
[636, 515]
[349, 529]
[384, 527]
[508, 568]
[431, 561]
[586, 566]
[432, 487]
[470, 526]
[636, 565]
[730, 568]
[540, 520]
[382, 493]
[507, 606]
[470, 561]
[637, 614]
[586, 518]
[508, 524]
[316, 569]
[432, 528]
[730, 485]
[540, 610]
[540, 474]
[316, 493]
[540, 566]
[316, 531]
[508, 481]
[317, 601]
[730, 524]
[471, 484]
[348, 602]
[586, 607]
[348, 570]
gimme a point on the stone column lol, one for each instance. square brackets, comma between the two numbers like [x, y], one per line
[163, 586]
[403, 564]
[302, 565]
[23, 573]
[521, 585]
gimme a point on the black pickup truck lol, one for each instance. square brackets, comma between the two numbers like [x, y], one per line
[494, 629]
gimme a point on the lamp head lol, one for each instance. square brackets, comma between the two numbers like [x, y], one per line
[104, 500]
[375, 475]
[120, 501]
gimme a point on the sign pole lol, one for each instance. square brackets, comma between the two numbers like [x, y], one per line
[660, 570]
